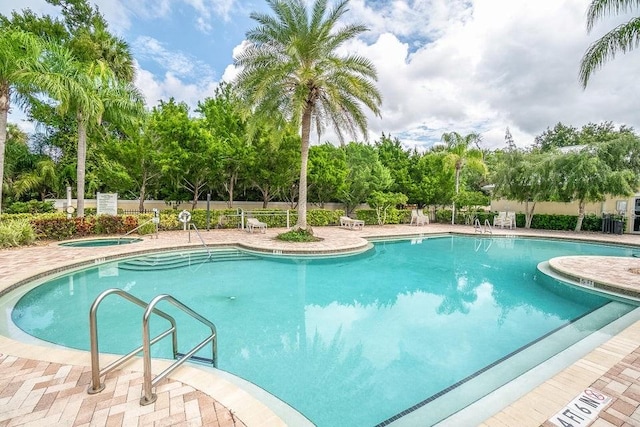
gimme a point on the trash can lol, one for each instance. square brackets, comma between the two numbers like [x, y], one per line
[617, 226]
[607, 224]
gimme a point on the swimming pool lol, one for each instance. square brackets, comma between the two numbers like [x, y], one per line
[91, 243]
[350, 340]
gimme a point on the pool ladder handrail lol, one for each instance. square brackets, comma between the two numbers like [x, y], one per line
[148, 383]
[200, 236]
[138, 227]
[482, 229]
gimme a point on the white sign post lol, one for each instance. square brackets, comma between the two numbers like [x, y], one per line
[107, 203]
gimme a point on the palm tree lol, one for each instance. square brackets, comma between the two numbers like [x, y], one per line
[19, 53]
[94, 81]
[624, 37]
[291, 71]
[460, 154]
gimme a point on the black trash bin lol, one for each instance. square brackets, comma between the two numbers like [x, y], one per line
[617, 226]
[607, 224]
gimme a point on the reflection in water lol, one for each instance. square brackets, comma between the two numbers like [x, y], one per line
[347, 341]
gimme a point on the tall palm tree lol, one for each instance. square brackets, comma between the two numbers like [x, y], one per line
[460, 154]
[19, 54]
[292, 71]
[623, 38]
[95, 81]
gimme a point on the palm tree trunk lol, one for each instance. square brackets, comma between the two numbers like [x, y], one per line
[4, 112]
[453, 212]
[81, 166]
[304, 157]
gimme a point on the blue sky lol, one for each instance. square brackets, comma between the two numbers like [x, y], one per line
[443, 65]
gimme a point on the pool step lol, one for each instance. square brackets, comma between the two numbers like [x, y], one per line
[183, 259]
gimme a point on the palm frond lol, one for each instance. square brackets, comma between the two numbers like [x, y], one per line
[623, 38]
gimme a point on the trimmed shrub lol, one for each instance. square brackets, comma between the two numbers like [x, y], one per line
[32, 207]
[54, 227]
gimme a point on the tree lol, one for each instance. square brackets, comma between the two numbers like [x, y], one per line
[186, 157]
[94, 81]
[366, 174]
[274, 163]
[525, 176]
[589, 176]
[461, 155]
[20, 52]
[327, 173]
[221, 117]
[623, 38]
[397, 160]
[560, 136]
[382, 202]
[292, 71]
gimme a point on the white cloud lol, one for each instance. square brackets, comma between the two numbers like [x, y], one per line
[168, 86]
[178, 63]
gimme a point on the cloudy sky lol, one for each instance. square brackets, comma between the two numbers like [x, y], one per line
[443, 65]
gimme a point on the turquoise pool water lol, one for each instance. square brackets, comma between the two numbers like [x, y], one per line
[348, 340]
[91, 243]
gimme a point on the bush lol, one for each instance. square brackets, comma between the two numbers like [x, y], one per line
[298, 236]
[16, 233]
[32, 207]
[54, 227]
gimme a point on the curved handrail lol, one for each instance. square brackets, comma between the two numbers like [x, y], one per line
[201, 239]
[96, 373]
[149, 397]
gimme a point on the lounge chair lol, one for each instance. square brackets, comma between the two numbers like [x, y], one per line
[350, 223]
[500, 219]
[418, 217]
[253, 223]
[510, 221]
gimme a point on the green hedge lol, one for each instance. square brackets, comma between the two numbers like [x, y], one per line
[56, 226]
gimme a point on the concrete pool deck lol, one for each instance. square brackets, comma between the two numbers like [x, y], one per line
[47, 386]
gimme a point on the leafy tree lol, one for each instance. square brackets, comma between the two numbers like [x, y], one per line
[133, 160]
[560, 136]
[221, 116]
[327, 173]
[527, 177]
[397, 160]
[292, 71]
[382, 202]
[366, 174]
[623, 38]
[274, 164]
[585, 176]
[461, 154]
[434, 182]
[186, 149]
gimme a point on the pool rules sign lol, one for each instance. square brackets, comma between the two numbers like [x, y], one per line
[582, 410]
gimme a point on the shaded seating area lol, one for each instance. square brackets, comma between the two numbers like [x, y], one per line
[350, 223]
[418, 217]
[253, 223]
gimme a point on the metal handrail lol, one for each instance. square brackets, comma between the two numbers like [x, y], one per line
[135, 229]
[149, 397]
[96, 386]
[487, 227]
[200, 236]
